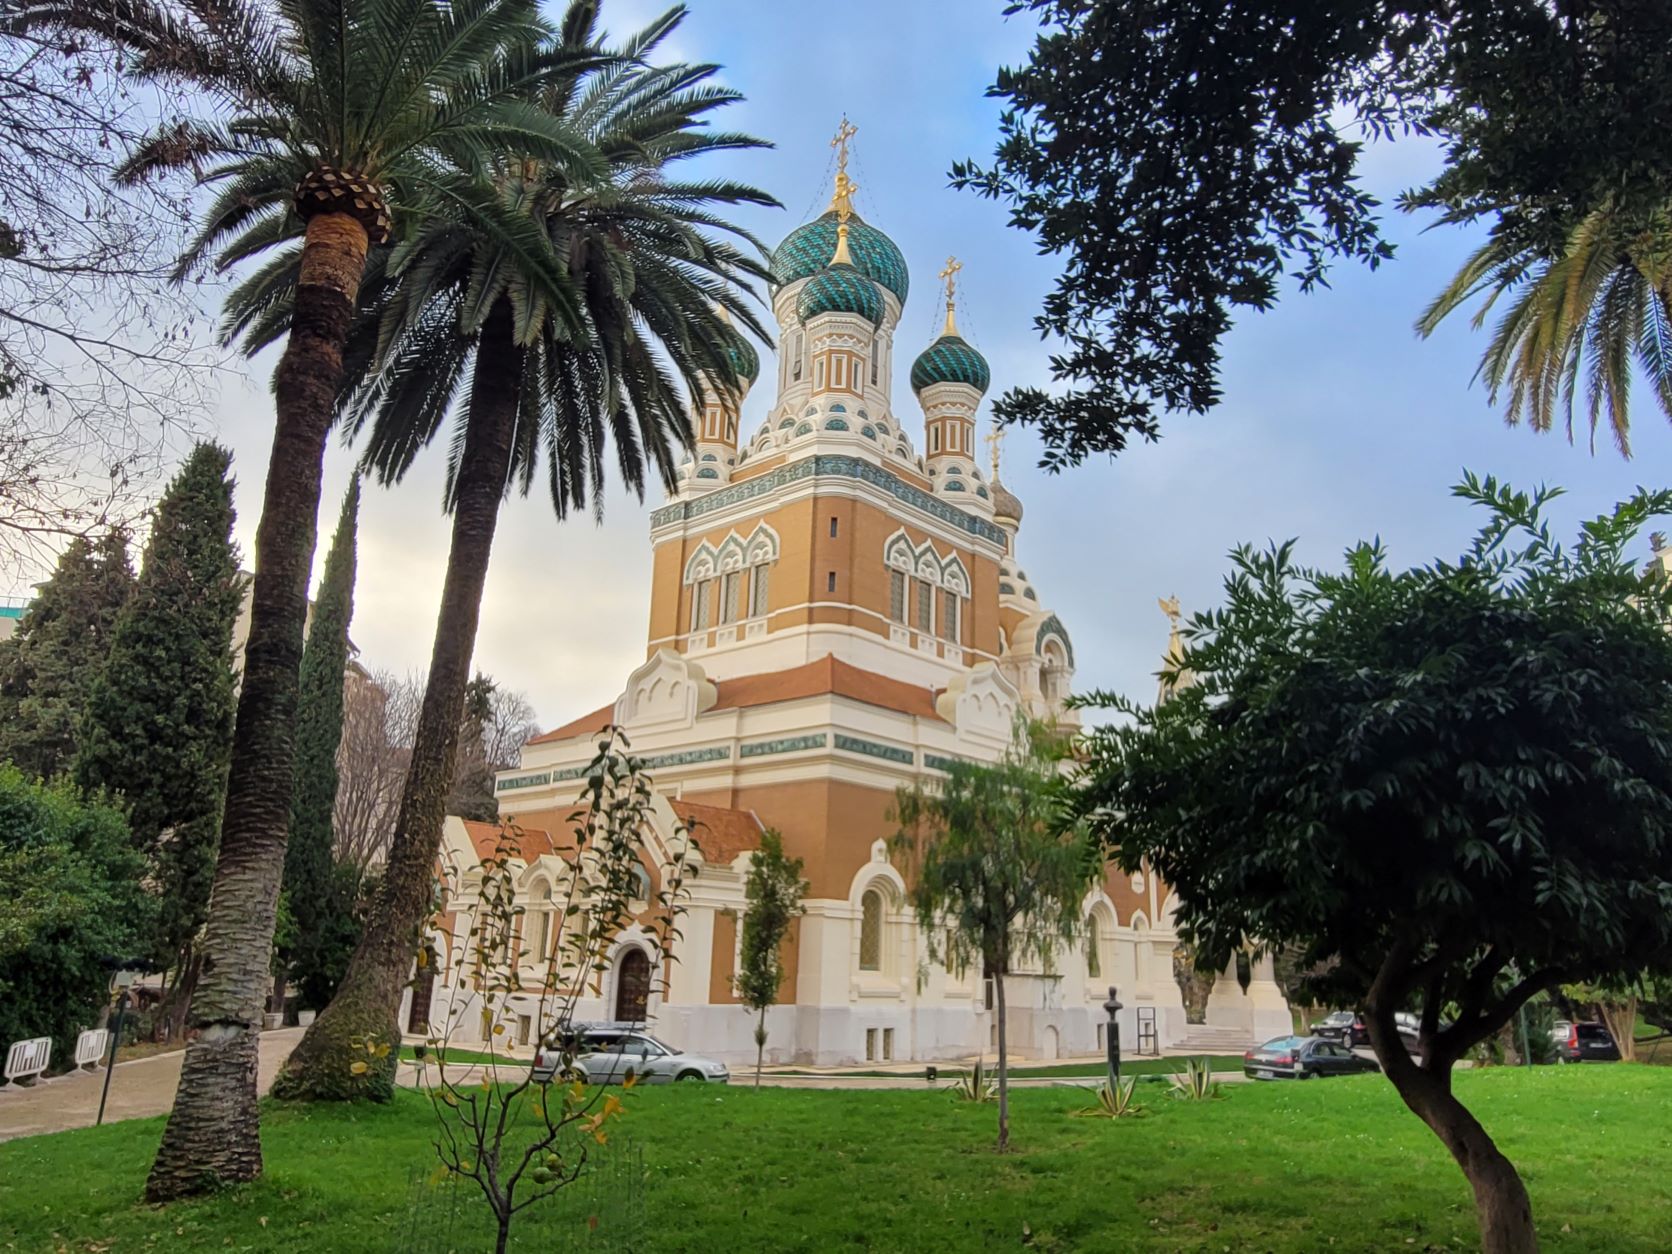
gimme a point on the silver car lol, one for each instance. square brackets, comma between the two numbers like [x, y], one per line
[607, 1053]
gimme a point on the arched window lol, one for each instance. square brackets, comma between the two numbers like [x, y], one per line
[534, 928]
[870, 930]
[799, 356]
[1094, 960]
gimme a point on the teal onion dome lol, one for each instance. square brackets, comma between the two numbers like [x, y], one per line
[744, 359]
[808, 249]
[841, 289]
[950, 359]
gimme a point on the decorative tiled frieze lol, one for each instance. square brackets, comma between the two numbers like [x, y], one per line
[784, 744]
[836, 465]
[935, 762]
[875, 749]
[688, 757]
[541, 777]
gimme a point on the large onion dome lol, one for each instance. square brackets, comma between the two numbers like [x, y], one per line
[950, 359]
[744, 359]
[841, 288]
[1005, 503]
[808, 249]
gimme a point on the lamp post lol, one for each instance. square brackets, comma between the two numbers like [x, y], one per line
[1112, 1008]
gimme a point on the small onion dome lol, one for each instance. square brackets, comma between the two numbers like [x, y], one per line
[950, 359]
[807, 250]
[841, 289]
[1005, 503]
[744, 359]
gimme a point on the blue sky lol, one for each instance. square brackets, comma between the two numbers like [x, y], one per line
[1337, 422]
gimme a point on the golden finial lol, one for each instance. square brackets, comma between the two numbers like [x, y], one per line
[842, 200]
[995, 441]
[1170, 607]
[844, 132]
[950, 277]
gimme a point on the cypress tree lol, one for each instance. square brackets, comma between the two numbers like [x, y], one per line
[319, 895]
[48, 667]
[157, 731]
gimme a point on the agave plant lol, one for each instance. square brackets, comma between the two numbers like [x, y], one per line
[975, 1085]
[1195, 1083]
[1116, 1098]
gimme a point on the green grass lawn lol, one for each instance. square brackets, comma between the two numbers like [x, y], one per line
[1067, 1070]
[1279, 1167]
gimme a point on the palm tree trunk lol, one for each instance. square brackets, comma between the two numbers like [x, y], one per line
[760, 1047]
[367, 1003]
[213, 1134]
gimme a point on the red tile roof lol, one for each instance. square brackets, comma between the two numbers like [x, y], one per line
[721, 834]
[827, 675]
[587, 725]
[529, 842]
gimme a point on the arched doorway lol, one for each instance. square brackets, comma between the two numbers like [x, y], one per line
[1050, 1051]
[632, 986]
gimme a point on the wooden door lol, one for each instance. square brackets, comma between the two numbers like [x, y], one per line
[632, 986]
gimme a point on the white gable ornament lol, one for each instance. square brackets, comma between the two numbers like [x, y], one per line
[667, 691]
[981, 704]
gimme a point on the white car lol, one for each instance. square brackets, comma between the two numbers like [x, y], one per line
[607, 1053]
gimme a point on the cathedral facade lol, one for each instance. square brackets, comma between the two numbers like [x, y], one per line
[840, 606]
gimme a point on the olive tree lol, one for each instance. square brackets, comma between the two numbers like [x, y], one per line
[996, 874]
[1448, 786]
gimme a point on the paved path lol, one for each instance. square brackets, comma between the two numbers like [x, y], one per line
[137, 1089]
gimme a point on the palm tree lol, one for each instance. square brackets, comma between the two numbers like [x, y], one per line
[456, 325]
[342, 122]
[1579, 321]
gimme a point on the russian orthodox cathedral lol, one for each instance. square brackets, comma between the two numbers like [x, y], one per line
[839, 606]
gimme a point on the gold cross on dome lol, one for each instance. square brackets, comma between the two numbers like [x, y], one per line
[950, 277]
[950, 274]
[1170, 607]
[844, 132]
[995, 441]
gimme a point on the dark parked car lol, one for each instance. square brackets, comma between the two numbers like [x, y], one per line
[1303, 1058]
[1590, 1042]
[1344, 1027]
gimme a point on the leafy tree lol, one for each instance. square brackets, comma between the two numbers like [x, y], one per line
[523, 1141]
[48, 666]
[321, 898]
[995, 875]
[157, 732]
[455, 328]
[70, 896]
[1447, 785]
[340, 123]
[1182, 155]
[774, 892]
